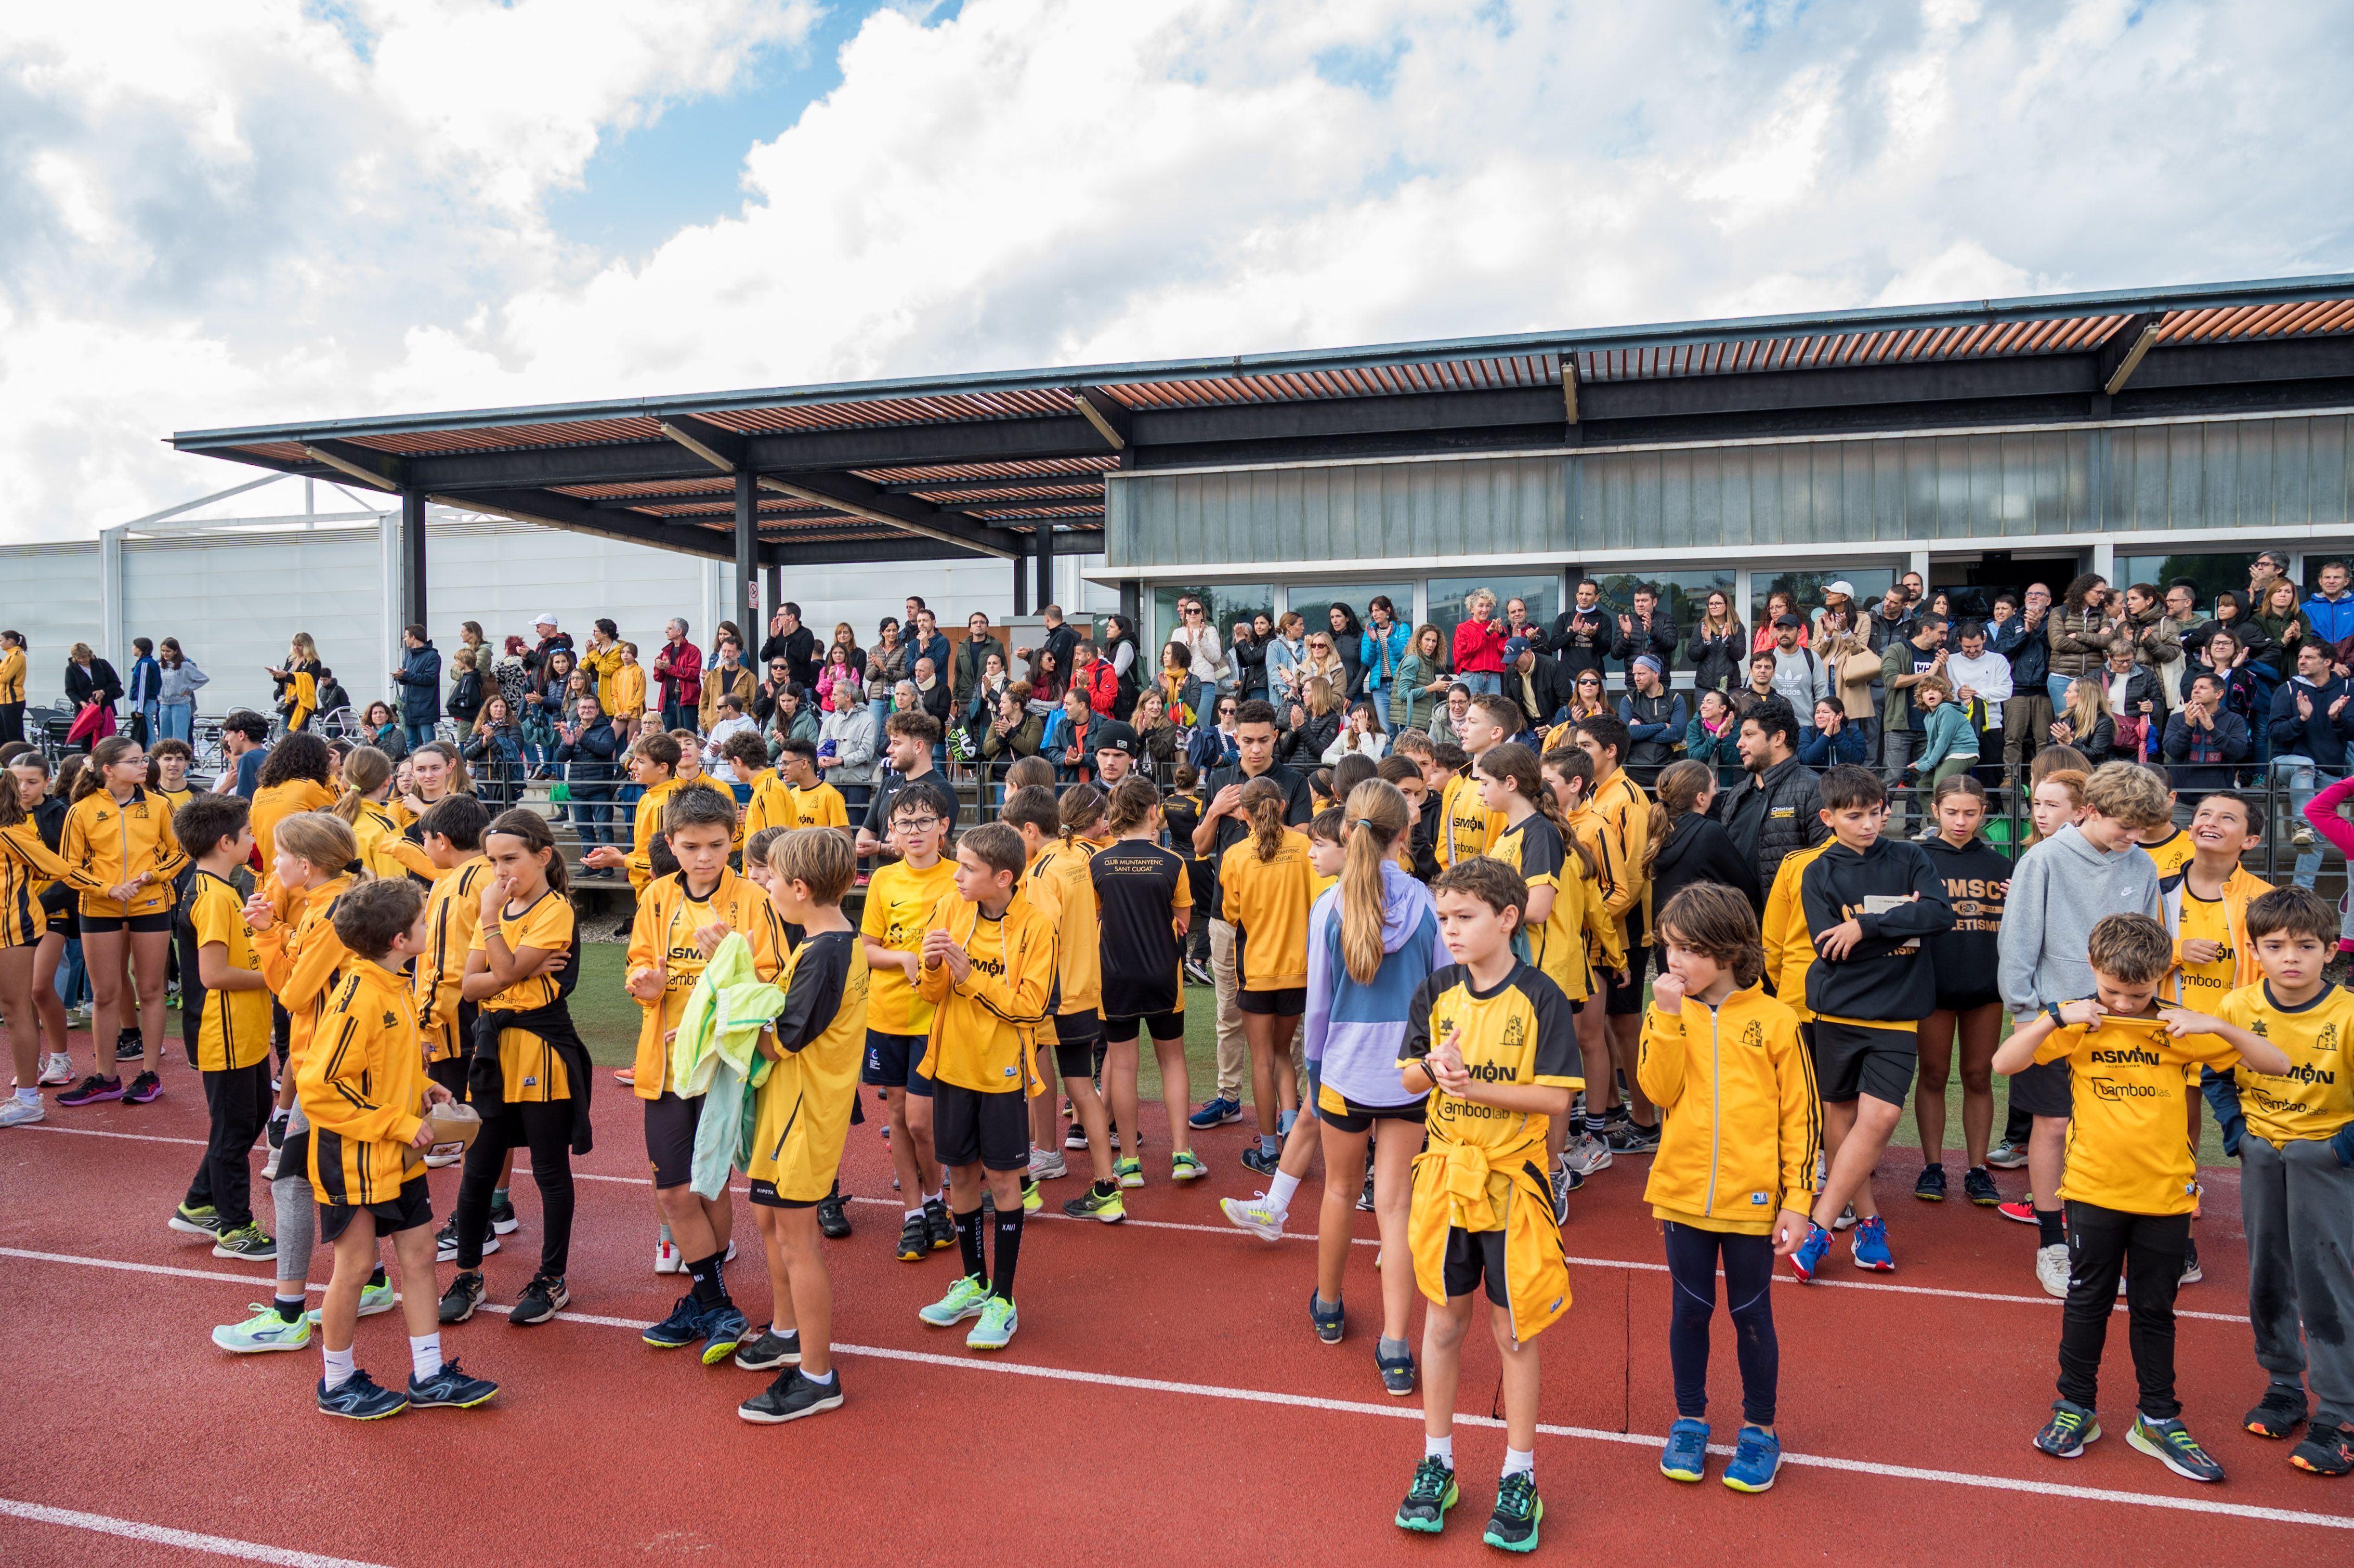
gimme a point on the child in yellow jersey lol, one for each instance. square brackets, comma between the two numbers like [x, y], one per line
[1568, 775]
[804, 1110]
[29, 869]
[815, 802]
[2169, 847]
[2131, 1180]
[744, 759]
[366, 1095]
[1057, 884]
[628, 702]
[903, 899]
[384, 849]
[226, 1003]
[2294, 1133]
[120, 835]
[167, 772]
[2206, 908]
[1467, 826]
[1729, 1186]
[452, 836]
[680, 922]
[1632, 1129]
[1488, 1040]
[654, 769]
[530, 1077]
[988, 970]
[1264, 883]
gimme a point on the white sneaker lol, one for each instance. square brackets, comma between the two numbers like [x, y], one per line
[2008, 1156]
[666, 1257]
[1257, 1217]
[269, 1165]
[731, 1253]
[59, 1070]
[2051, 1269]
[1585, 1154]
[1047, 1164]
[1846, 1221]
[2301, 838]
[21, 1113]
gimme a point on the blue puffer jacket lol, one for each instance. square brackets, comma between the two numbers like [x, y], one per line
[420, 685]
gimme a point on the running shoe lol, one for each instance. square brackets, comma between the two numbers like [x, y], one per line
[442, 1162]
[938, 1224]
[1198, 973]
[963, 1301]
[1586, 1154]
[541, 1301]
[503, 1218]
[1978, 1187]
[1756, 1459]
[1685, 1458]
[1074, 1137]
[2008, 1156]
[130, 1045]
[2278, 1415]
[2325, 1451]
[1330, 1322]
[2051, 1270]
[1870, 1246]
[1129, 1171]
[358, 1398]
[1565, 1182]
[2192, 1273]
[724, 1328]
[680, 1328]
[1433, 1492]
[1187, 1166]
[1216, 1111]
[1808, 1258]
[2023, 1211]
[2171, 1444]
[451, 1389]
[996, 1329]
[58, 1071]
[465, 1294]
[145, 1088]
[246, 1244]
[1930, 1187]
[2070, 1427]
[21, 1113]
[790, 1397]
[1396, 1373]
[1097, 1205]
[1047, 1164]
[915, 1240]
[1514, 1526]
[198, 1220]
[667, 1259]
[1846, 1221]
[269, 1163]
[374, 1298]
[832, 1216]
[91, 1091]
[768, 1350]
[1258, 1160]
[1365, 1195]
[627, 1076]
[1032, 1200]
[1630, 1139]
[265, 1330]
[1255, 1216]
[445, 1244]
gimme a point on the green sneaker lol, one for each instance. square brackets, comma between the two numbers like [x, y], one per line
[1513, 1525]
[1032, 1200]
[1186, 1166]
[247, 1244]
[201, 1220]
[2170, 1445]
[265, 1330]
[374, 1298]
[996, 1329]
[1129, 1171]
[963, 1301]
[1433, 1493]
[1091, 1205]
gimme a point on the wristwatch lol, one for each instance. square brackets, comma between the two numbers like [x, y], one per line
[2057, 1022]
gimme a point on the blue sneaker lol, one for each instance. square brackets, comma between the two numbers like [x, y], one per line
[1327, 1321]
[1756, 1456]
[451, 1389]
[358, 1398]
[1870, 1247]
[1809, 1256]
[724, 1327]
[1216, 1111]
[1685, 1457]
[680, 1328]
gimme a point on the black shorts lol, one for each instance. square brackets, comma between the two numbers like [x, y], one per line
[1855, 1059]
[1970, 1001]
[892, 1061]
[449, 1073]
[765, 1194]
[413, 1208]
[670, 1138]
[1471, 1256]
[1078, 1037]
[138, 925]
[1625, 1000]
[992, 1130]
[1168, 1025]
[1291, 1001]
[2043, 1090]
[1342, 1114]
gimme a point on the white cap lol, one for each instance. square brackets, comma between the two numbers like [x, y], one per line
[1841, 586]
[546, 621]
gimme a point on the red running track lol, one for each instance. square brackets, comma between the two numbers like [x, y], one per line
[1163, 1398]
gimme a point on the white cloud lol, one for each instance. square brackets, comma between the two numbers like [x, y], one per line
[228, 214]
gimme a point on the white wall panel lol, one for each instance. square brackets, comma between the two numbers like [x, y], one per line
[50, 592]
[234, 600]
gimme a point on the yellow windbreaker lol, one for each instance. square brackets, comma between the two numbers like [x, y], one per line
[1739, 1122]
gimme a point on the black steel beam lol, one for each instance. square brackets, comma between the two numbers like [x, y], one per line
[747, 556]
[858, 552]
[553, 510]
[1346, 417]
[1091, 483]
[381, 470]
[412, 558]
[721, 448]
[861, 498]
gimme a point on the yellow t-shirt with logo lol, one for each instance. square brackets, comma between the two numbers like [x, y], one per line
[818, 806]
[232, 1026]
[2128, 1144]
[900, 904]
[1466, 826]
[530, 1065]
[2316, 1096]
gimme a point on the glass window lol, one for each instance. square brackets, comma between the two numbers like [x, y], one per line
[2211, 573]
[1314, 602]
[1806, 588]
[1541, 594]
[1226, 602]
[1683, 598]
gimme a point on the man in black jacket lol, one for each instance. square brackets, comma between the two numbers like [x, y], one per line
[794, 643]
[2024, 640]
[1777, 807]
[1583, 634]
[1533, 682]
[1649, 630]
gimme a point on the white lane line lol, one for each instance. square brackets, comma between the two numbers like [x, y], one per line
[216, 1273]
[100, 1132]
[164, 1535]
[1395, 1412]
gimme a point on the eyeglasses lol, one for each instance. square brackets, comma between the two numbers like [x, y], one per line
[915, 825]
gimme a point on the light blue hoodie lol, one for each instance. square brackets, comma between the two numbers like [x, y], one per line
[1355, 1031]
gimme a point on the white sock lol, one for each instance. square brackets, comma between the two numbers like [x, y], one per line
[29, 1097]
[339, 1368]
[1280, 1192]
[913, 1214]
[1439, 1448]
[1520, 1462]
[825, 1381]
[425, 1354]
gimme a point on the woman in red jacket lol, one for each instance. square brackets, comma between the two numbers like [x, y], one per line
[1480, 645]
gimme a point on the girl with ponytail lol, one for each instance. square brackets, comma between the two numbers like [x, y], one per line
[1687, 845]
[367, 785]
[1266, 882]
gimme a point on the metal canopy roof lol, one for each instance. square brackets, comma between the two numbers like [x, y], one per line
[993, 462]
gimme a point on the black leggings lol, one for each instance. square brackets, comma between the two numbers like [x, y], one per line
[545, 1128]
[238, 1103]
[1692, 1256]
[2149, 1250]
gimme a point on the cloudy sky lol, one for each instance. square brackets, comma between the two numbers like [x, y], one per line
[213, 214]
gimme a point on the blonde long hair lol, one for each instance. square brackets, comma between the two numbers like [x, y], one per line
[1374, 819]
[365, 771]
[2086, 703]
[324, 839]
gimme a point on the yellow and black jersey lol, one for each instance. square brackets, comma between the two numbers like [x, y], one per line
[303, 960]
[273, 803]
[12, 675]
[385, 850]
[2222, 920]
[530, 1065]
[985, 1029]
[27, 868]
[1466, 826]
[1519, 1032]
[661, 935]
[173, 799]
[1601, 839]
[645, 821]
[1558, 945]
[298, 694]
[2316, 1096]
[901, 904]
[2172, 853]
[111, 841]
[1138, 889]
[1058, 885]
[362, 1090]
[818, 806]
[1628, 810]
[1266, 902]
[803, 1105]
[452, 912]
[2128, 1148]
[232, 1026]
[771, 805]
[1789, 946]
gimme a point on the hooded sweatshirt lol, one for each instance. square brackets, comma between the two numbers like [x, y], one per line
[1358, 1032]
[2058, 891]
[1887, 978]
[1965, 956]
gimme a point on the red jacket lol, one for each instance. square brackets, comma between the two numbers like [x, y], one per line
[681, 672]
[1480, 646]
[1101, 684]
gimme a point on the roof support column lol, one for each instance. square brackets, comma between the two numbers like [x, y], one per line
[1132, 604]
[747, 555]
[775, 582]
[1020, 585]
[1045, 536]
[412, 558]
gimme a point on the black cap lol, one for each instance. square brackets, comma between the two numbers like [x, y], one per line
[1115, 736]
[1790, 620]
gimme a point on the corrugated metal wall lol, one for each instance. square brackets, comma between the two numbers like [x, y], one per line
[1955, 489]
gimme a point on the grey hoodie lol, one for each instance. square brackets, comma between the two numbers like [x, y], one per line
[2058, 891]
